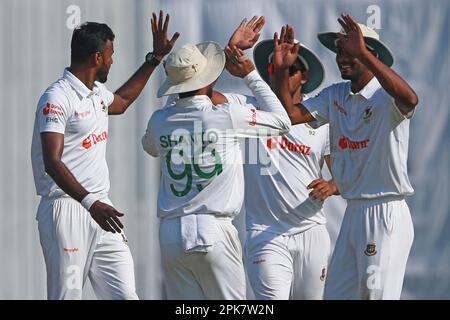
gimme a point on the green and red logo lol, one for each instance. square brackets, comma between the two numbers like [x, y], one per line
[370, 249]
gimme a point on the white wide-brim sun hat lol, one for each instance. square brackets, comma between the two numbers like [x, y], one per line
[263, 53]
[192, 67]
[371, 38]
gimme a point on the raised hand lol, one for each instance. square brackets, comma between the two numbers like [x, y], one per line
[352, 41]
[285, 51]
[247, 34]
[106, 216]
[237, 63]
[161, 44]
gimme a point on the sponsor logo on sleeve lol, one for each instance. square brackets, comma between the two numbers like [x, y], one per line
[52, 109]
[339, 107]
[51, 119]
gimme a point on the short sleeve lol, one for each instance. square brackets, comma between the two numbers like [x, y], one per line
[53, 112]
[107, 96]
[318, 106]
[149, 139]
[396, 115]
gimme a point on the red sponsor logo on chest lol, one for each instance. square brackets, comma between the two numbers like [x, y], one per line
[288, 145]
[346, 143]
[93, 139]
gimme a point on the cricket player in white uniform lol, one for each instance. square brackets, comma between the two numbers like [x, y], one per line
[369, 130]
[79, 229]
[288, 246]
[202, 180]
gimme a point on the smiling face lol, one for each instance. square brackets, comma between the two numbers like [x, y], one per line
[350, 67]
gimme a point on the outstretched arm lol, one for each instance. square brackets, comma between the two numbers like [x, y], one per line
[284, 55]
[130, 90]
[244, 37]
[353, 43]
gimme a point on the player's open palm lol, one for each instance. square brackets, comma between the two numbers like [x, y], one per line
[106, 216]
[161, 43]
[247, 34]
[285, 51]
[352, 41]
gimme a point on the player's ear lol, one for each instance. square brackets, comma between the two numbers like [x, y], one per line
[305, 77]
[98, 58]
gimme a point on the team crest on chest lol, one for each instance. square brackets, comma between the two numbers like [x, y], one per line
[323, 275]
[370, 249]
[104, 107]
[367, 114]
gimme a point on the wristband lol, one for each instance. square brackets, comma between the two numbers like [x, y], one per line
[88, 201]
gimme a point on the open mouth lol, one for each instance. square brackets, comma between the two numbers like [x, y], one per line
[344, 67]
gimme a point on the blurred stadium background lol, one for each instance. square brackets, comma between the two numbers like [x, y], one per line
[35, 48]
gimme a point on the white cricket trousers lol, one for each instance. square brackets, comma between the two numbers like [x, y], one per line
[214, 275]
[288, 267]
[76, 247]
[369, 259]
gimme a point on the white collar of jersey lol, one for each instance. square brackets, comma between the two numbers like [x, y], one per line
[369, 89]
[193, 101]
[79, 86]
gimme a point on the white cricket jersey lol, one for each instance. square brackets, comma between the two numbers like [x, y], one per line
[70, 108]
[368, 140]
[199, 146]
[277, 171]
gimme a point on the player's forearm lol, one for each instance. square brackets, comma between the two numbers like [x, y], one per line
[267, 100]
[131, 89]
[397, 88]
[297, 114]
[282, 90]
[62, 176]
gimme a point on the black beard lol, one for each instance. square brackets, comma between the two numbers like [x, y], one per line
[102, 78]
